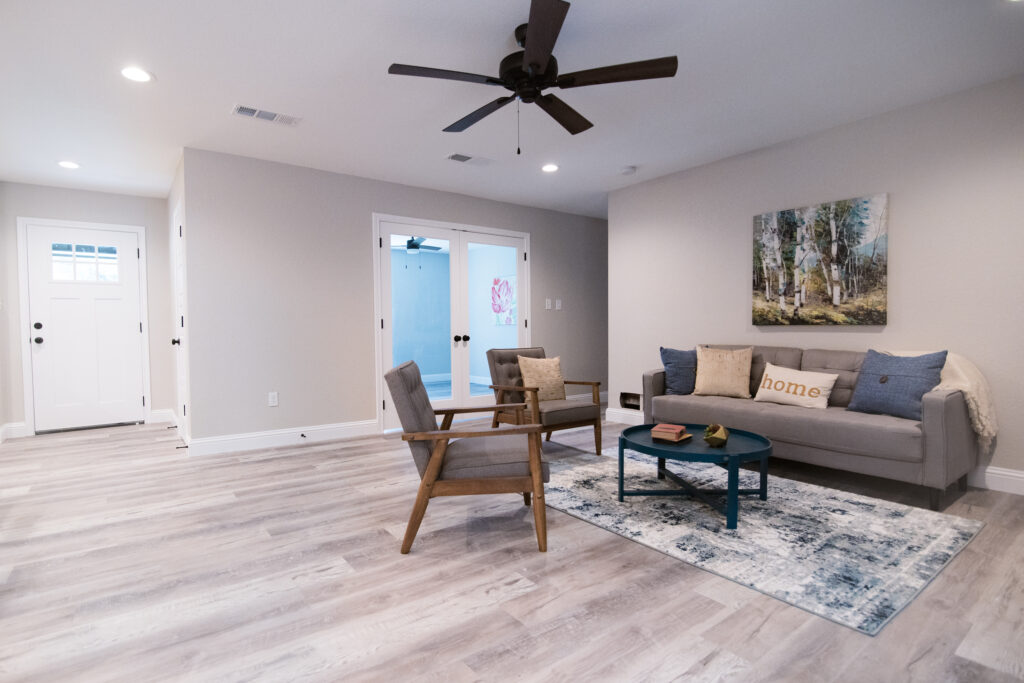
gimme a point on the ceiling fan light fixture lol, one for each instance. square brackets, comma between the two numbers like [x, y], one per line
[549, 168]
[137, 74]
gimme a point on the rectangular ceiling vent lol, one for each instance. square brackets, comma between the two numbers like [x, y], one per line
[461, 158]
[264, 115]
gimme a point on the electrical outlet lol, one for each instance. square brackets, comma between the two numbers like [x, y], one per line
[547, 304]
[558, 304]
[272, 399]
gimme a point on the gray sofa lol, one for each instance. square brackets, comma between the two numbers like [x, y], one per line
[935, 452]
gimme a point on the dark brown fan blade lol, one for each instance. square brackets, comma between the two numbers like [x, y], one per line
[665, 67]
[489, 108]
[427, 72]
[542, 29]
[570, 119]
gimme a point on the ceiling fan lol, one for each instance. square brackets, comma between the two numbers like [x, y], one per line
[414, 244]
[529, 71]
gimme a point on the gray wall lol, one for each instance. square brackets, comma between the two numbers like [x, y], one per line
[36, 201]
[680, 246]
[280, 280]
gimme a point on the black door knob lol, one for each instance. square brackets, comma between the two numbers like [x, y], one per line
[458, 337]
[38, 340]
[38, 326]
[175, 341]
[465, 337]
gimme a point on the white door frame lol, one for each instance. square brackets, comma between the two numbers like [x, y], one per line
[182, 379]
[377, 250]
[26, 319]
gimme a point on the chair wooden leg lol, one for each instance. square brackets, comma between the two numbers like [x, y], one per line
[597, 437]
[418, 508]
[526, 498]
[537, 474]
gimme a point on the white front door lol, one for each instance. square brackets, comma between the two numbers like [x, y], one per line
[85, 326]
[448, 294]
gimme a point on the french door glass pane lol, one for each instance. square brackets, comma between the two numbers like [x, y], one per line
[421, 309]
[493, 309]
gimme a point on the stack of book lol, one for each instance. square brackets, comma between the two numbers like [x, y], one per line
[669, 432]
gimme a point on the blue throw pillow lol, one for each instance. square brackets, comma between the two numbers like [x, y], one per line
[680, 370]
[894, 385]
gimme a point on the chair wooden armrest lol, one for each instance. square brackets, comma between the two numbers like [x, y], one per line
[503, 387]
[595, 388]
[479, 409]
[447, 434]
[576, 381]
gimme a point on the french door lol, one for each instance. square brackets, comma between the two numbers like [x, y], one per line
[447, 295]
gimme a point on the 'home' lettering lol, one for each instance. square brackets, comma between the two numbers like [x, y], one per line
[789, 388]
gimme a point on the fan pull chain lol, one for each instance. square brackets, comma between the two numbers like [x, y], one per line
[518, 148]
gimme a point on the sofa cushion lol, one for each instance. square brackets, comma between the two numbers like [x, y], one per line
[846, 364]
[680, 370]
[546, 375]
[786, 356]
[894, 385]
[723, 372]
[795, 387]
[833, 429]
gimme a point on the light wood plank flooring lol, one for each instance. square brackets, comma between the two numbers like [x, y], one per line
[121, 558]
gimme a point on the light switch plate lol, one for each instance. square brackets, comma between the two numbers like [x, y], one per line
[558, 304]
[547, 304]
[272, 399]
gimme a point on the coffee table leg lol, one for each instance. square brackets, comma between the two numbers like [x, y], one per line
[661, 466]
[764, 478]
[621, 462]
[732, 508]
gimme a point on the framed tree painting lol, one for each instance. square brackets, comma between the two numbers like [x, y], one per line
[822, 265]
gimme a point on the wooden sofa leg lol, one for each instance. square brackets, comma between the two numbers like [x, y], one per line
[597, 437]
[935, 498]
[961, 483]
[526, 498]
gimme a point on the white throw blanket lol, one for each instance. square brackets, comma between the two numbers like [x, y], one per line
[960, 373]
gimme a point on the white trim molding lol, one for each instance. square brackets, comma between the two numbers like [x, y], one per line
[998, 479]
[624, 415]
[162, 415]
[14, 430]
[292, 436]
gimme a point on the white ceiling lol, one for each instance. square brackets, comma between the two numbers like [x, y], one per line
[751, 74]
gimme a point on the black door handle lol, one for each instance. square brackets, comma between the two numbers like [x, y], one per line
[458, 337]
[175, 341]
[38, 340]
[465, 337]
[38, 326]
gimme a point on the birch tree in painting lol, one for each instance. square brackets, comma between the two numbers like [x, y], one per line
[830, 260]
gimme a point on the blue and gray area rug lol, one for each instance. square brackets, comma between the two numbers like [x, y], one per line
[855, 560]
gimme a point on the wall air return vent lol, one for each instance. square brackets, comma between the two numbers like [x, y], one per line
[462, 158]
[264, 115]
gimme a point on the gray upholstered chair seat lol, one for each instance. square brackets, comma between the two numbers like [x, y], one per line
[567, 410]
[490, 457]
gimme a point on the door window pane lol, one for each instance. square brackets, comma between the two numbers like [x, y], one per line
[63, 261]
[421, 309]
[84, 263]
[106, 264]
[493, 308]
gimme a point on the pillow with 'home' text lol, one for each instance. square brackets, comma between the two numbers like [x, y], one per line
[795, 387]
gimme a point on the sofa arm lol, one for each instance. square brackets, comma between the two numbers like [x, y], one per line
[654, 385]
[950, 444]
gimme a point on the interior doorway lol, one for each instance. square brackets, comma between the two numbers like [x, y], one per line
[83, 318]
[447, 293]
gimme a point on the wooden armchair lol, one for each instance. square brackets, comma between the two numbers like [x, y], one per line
[463, 463]
[551, 415]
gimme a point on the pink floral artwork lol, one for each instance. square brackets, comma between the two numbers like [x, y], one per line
[503, 301]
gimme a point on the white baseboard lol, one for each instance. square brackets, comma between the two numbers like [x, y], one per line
[231, 443]
[162, 415]
[624, 415]
[998, 479]
[14, 430]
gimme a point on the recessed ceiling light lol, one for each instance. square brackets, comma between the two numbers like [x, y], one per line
[549, 168]
[67, 164]
[134, 73]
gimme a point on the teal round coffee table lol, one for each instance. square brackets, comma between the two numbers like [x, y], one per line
[742, 447]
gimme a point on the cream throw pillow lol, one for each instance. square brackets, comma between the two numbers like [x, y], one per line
[723, 372]
[795, 387]
[545, 374]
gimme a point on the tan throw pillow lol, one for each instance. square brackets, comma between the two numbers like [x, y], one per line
[545, 374]
[795, 387]
[723, 372]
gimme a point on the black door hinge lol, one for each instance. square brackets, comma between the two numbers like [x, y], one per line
[383, 405]
[182, 322]
[138, 253]
[140, 328]
[183, 411]
[380, 242]
[526, 323]
[143, 400]
[179, 232]
[382, 323]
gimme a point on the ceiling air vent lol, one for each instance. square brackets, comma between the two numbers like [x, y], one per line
[462, 158]
[264, 115]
